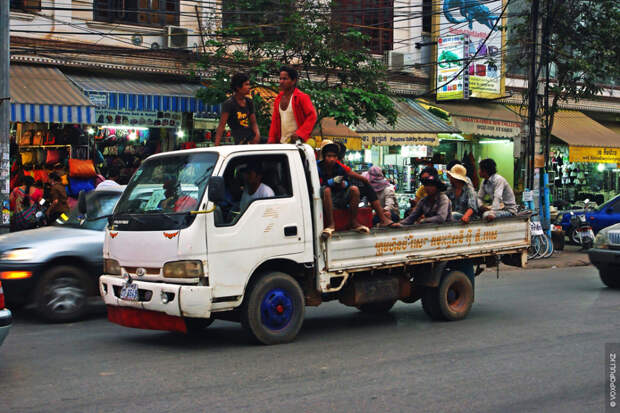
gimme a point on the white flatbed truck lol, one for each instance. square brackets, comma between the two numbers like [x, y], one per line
[179, 253]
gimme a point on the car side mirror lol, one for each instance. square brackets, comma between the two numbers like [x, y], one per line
[82, 202]
[217, 190]
[609, 210]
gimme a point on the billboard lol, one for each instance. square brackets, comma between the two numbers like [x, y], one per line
[452, 79]
[479, 21]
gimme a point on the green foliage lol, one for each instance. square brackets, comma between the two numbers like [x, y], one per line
[582, 46]
[334, 65]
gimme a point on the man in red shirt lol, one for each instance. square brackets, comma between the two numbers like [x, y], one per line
[294, 115]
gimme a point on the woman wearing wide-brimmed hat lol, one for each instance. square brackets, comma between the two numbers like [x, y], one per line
[464, 199]
[436, 207]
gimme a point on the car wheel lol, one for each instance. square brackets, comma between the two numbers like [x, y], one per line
[62, 294]
[610, 277]
[274, 308]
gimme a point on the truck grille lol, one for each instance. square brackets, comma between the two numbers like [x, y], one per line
[614, 237]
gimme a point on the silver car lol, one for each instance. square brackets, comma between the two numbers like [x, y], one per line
[57, 267]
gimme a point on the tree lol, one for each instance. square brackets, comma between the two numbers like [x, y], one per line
[578, 46]
[336, 68]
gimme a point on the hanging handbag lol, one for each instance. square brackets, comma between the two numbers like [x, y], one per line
[53, 156]
[27, 158]
[79, 168]
[37, 139]
[50, 138]
[26, 138]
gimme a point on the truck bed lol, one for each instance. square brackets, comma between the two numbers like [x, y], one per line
[350, 251]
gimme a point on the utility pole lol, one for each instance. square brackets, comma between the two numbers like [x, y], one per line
[532, 84]
[5, 169]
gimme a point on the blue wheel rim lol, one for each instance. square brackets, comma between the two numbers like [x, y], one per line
[276, 309]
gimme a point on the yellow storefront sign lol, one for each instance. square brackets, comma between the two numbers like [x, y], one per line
[593, 154]
[351, 143]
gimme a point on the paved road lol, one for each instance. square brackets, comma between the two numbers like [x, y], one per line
[533, 342]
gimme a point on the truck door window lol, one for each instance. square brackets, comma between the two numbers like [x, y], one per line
[270, 172]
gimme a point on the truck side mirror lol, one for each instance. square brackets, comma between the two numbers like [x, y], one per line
[217, 190]
[82, 202]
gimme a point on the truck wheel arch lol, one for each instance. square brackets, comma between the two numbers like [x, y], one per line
[290, 267]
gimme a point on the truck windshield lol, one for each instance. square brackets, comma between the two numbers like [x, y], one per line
[163, 191]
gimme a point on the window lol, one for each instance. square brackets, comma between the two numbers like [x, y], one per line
[427, 16]
[269, 173]
[374, 18]
[27, 6]
[154, 13]
[262, 18]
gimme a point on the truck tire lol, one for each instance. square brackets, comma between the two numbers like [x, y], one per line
[377, 308]
[456, 296]
[430, 303]
[274, 308]
[197, 325]
[62, 294]
[452, 300]
[608, 278]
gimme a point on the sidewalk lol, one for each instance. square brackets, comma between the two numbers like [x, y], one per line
[572, 256]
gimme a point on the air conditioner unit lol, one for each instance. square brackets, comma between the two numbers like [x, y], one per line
[400, 62]
[176, 37]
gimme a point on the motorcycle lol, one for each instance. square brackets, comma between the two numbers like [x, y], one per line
[581, 233]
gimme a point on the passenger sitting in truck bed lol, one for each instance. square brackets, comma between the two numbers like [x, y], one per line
[367, 190]
[336, 191]
[463, 198]
[253, 187]
[435, 207]
[503, 202]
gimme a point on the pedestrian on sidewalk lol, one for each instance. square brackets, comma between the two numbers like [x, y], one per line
[294, 114]
[238, 112]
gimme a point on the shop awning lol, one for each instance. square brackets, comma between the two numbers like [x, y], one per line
[414, 126]
[44, 94]
[486, 119]
[141, 95]
[576, 129]
[337, 132]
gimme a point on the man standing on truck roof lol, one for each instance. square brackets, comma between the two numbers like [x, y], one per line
[294, 115]
[238, 112]
[503, 202]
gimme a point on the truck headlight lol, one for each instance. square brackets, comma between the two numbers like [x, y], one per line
[18, 254]
[111, 267]
[183, 269]
[601, 240]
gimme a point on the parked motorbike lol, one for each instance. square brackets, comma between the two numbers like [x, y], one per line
[41, 214]
[581, 232]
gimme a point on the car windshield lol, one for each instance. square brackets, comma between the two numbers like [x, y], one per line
[164, 190]
[99, 205]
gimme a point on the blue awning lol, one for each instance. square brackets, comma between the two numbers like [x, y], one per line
[44, 94]
[142, 95]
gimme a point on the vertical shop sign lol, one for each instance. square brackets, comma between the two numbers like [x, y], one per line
[452, 77]
[476, 19]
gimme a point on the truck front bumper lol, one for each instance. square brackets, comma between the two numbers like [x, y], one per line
[160, 306]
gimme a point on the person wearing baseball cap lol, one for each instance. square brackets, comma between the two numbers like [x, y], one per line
[464, 200]
[436, 207]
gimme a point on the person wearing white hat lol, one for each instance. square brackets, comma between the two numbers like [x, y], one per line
[463, 198]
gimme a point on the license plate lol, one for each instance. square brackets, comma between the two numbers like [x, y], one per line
[129, 292]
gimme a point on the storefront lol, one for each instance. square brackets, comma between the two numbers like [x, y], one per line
[50, 122]
[490, 131]
[584, 158]
[136, 118]
[404, 149]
